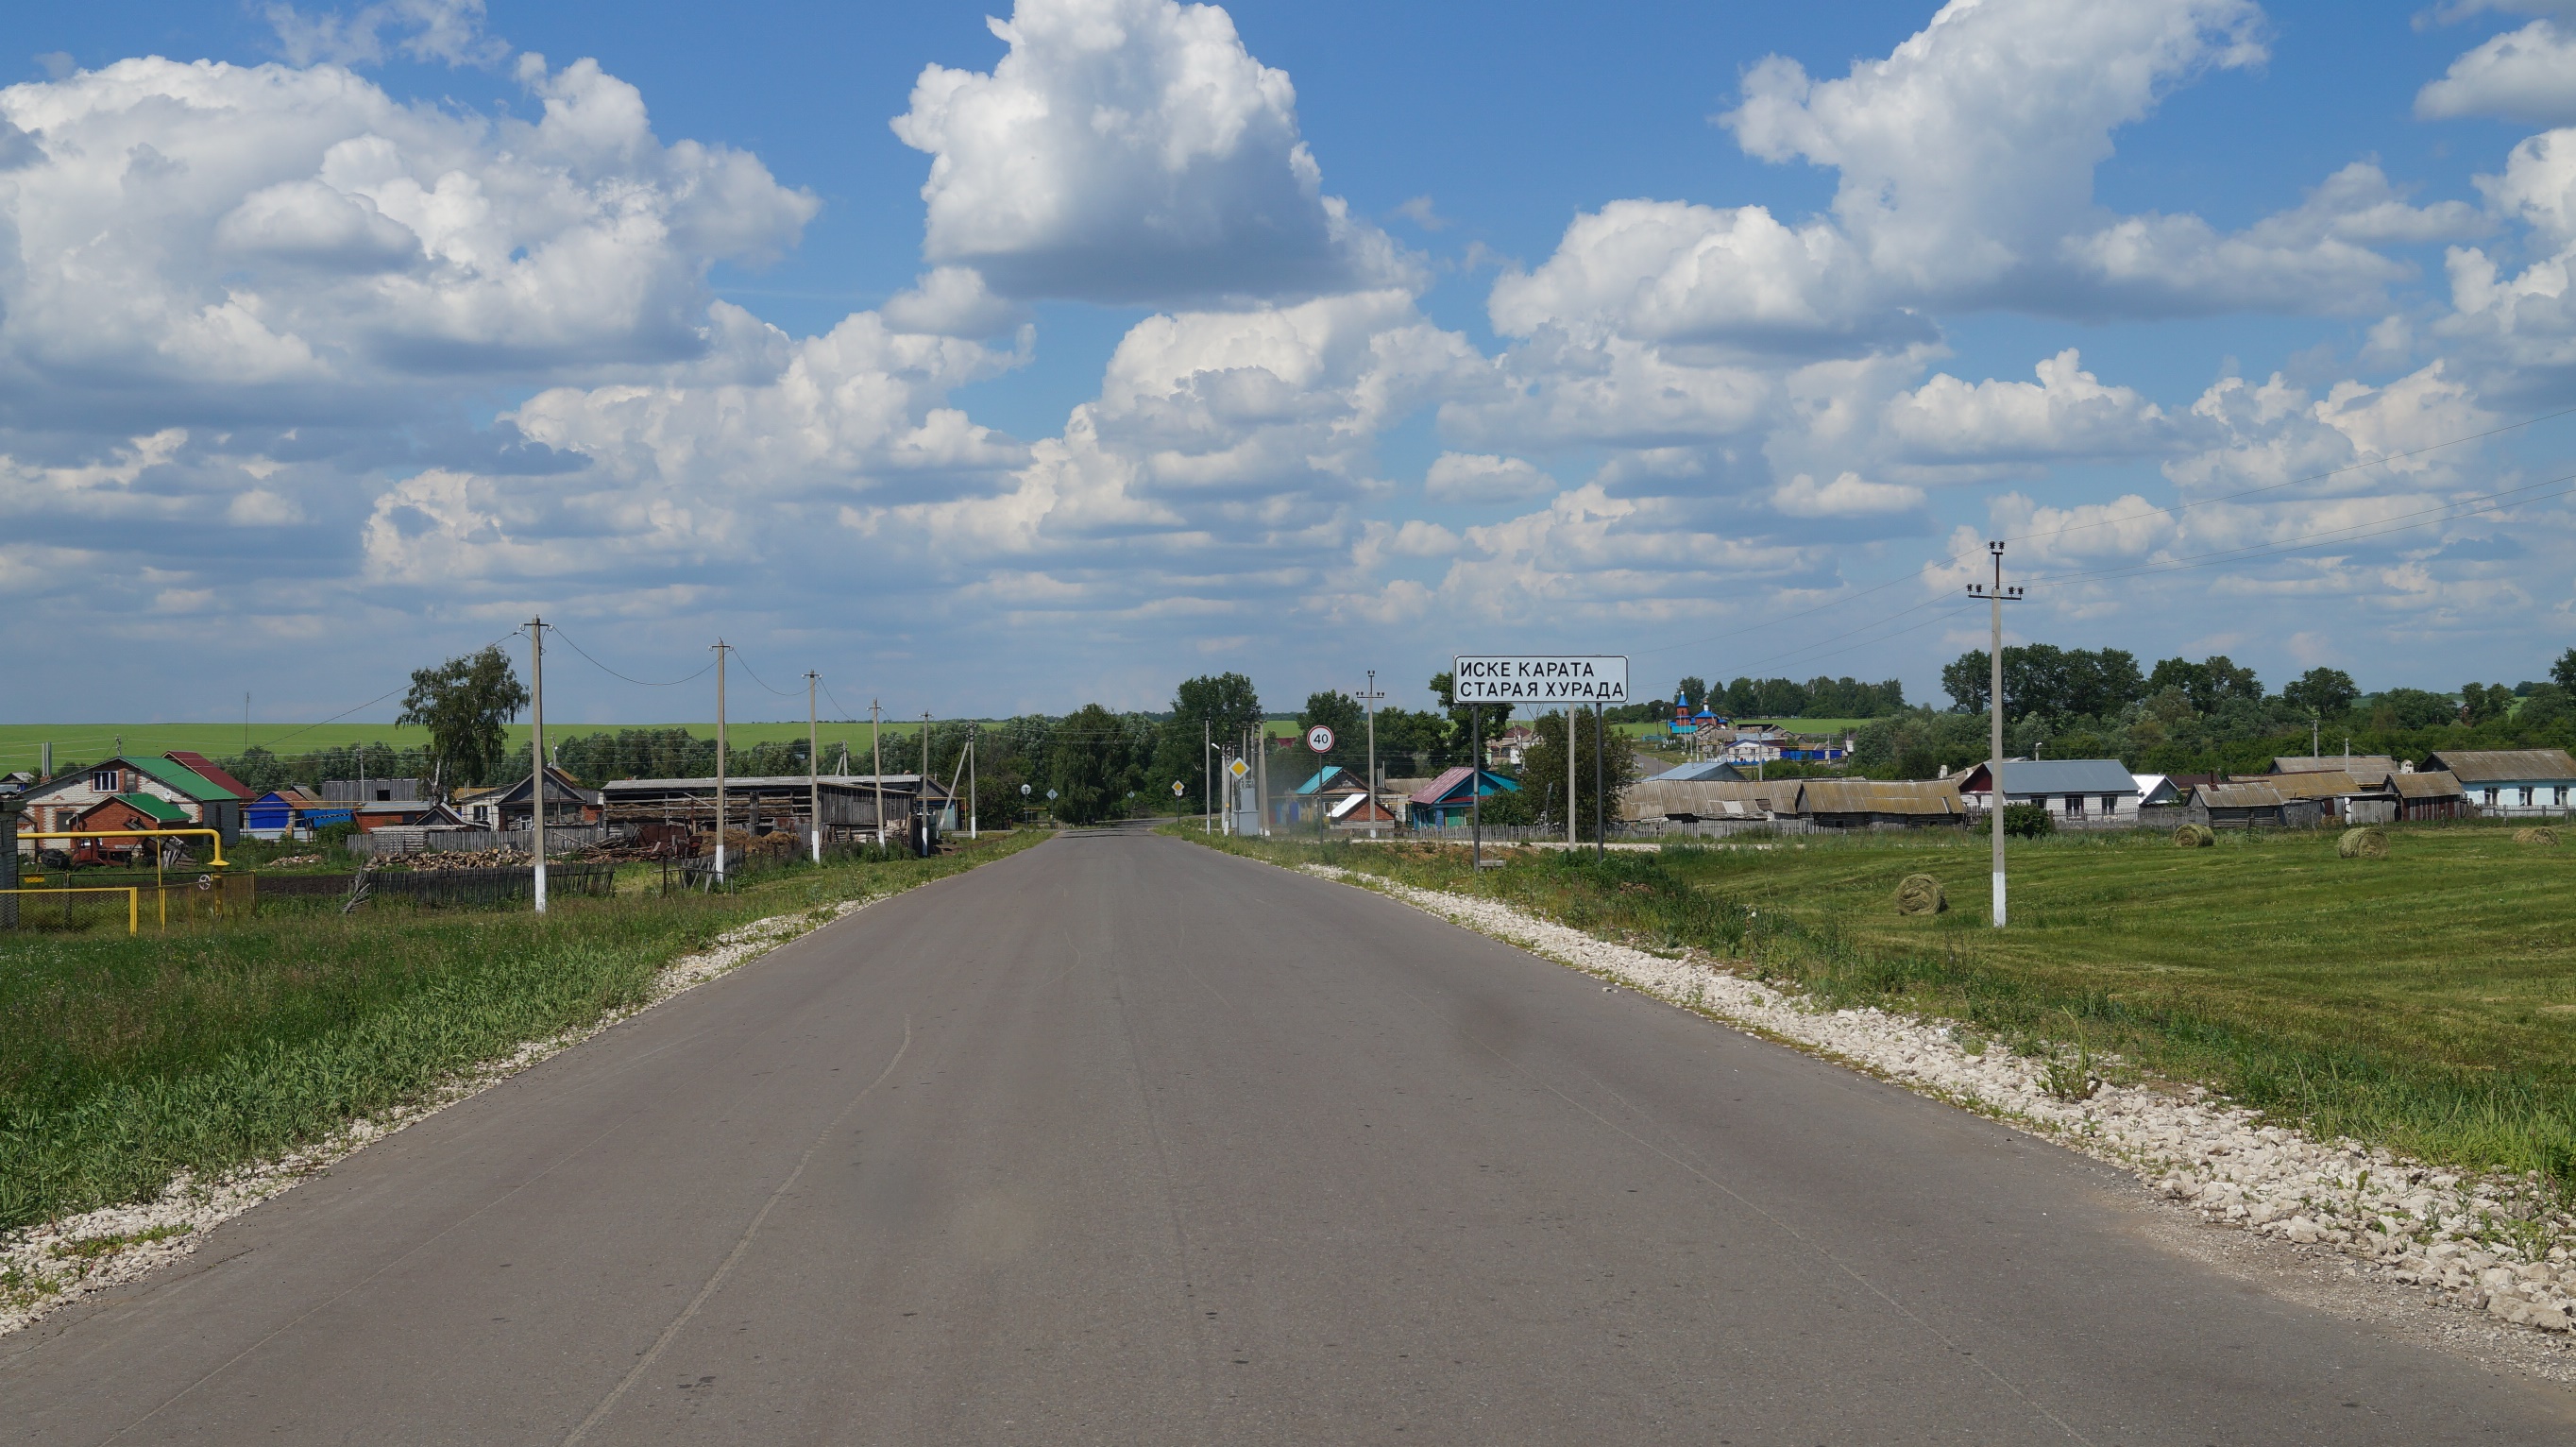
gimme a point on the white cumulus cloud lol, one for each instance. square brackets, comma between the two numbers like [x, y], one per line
[2523, 75]
[1131, 151]
[1848, 495]
[1484, 477]
[2067, 413]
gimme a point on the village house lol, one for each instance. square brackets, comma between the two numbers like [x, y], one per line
[2511, 783]
[58, 803]
[2071, 789]
[1449, 800]
[1670, 800]
[2427, 795]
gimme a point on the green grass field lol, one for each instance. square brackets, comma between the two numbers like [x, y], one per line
[2426, 1001]
[84, 743]
[124, 1061]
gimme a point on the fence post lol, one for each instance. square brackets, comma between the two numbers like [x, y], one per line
[9, 852]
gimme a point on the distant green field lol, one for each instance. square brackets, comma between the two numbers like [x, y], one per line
[81, 743]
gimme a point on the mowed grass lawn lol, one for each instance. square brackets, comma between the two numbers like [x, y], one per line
[126, 1061]
[2459, 948]
[2425, 1002]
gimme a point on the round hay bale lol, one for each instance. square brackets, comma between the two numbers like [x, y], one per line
[2194, 836]
[2540, 835]
[1921, 894]
[2368, 842]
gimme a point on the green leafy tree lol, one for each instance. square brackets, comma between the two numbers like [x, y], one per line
[1694, 689]
[464, 703]
[1091, 764]
[1542, 779]
[1212, 707]
[2480, 703]
[2326, 692]
[1462, 717]
[2209, 683]
[1349, 722]
[2563, 672]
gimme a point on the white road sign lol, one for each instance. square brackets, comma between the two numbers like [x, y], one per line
[1179, 788]
[1541, 678]
[1320, 738]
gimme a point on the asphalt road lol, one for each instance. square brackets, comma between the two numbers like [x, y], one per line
[1125, 1141]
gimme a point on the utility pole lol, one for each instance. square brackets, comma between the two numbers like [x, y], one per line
[245, 721]
[973, 731]
[876, 753]
[1996, 597]
[1370, 698]
[1207, 774]
[923, 792]
[1600, 798]
[1570, 840]
[536, 749]
[721, 650]
[813, 769]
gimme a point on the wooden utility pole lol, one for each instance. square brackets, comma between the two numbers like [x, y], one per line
[876, 753]
[1996, 597]
[536, 748]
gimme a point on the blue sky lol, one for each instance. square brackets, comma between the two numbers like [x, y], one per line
[1300, 339]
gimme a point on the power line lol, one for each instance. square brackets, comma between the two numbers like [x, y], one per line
[557, 630]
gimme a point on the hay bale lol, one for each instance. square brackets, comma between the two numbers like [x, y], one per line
[2194, 836]
[1921, 894]
[2368, 842]
[2540, 835]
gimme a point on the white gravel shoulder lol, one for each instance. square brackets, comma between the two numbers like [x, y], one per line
[49, 1267]
[2494, 1247]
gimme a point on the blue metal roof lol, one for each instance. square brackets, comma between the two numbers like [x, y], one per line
[2067, 776]
[1701, 772]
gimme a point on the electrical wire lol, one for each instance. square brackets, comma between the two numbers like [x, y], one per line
[613, 673]
[755, 677]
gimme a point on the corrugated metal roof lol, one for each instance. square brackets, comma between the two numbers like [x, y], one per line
[2435, 784]
[2493, 766]
[1705, 798]
[1877, 796]
[159, 810]
[2067, 776]
[205, 768]
[2334, 784]
[172, 774]
[2240, 796]
[2358, 765]
[1703, 771]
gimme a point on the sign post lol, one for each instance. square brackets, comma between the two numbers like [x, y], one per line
[1536, 678]
[1319, 742]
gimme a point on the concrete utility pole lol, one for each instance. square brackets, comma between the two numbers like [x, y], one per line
[876, 753]
[813, 769]
[972, 731]
[1996, 597]
[721, 650]
[1370, 698]
[922, 793]
[1570, 840]
[536, 751]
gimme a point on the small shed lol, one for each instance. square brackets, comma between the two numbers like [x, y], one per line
[2156, 791]
[1449, 800]
[2250, 806]
[1881, 804]
[2422, 795]
[1359, 811]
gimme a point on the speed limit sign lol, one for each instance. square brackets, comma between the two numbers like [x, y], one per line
[1320, 739]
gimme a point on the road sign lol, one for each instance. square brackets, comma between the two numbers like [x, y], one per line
[1320, 739]
[1050, 796]
[1238, 768]
[1179, 788]
[1540, 678]
[1024, 791]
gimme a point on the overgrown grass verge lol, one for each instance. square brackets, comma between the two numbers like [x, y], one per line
[2425, 1004]
[127, 1062]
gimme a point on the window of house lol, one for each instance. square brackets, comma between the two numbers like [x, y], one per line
[2562, 793]
[2074, 806]
[2110, 803]
[2495, 796]
[103, 780]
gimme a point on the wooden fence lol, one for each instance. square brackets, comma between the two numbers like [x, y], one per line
[493, 886]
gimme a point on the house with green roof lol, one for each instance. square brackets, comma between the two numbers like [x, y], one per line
[197, 801]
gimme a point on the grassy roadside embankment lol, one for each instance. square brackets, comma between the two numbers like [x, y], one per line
[2425, 1002]
[124, 1062]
